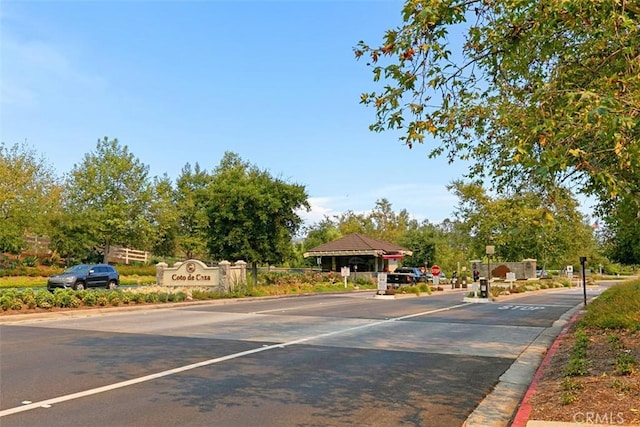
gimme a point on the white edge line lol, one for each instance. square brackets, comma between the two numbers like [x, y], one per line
[161, 374]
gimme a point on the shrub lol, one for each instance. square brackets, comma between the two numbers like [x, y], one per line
[16, 304]
[114, 297]
[89, 298]
[64, 298]
[125, 297]
[44, 299]
[30, 301]
[138, 297]
[199, 294]
[577, 365]
[625, 363]
[75, 302]
[6, 301]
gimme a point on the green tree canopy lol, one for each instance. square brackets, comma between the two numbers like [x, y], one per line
[191, 199]
[522, 226]
[252, 215]
[421, 240]
[164, 212]
[380, 223]
[29, 195]
[622, 234]
[110, 191]
[543, 93]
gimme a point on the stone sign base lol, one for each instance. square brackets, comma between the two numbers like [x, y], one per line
[195, 273]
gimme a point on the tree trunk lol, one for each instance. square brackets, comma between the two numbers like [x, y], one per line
[105, 256]
[254, 271]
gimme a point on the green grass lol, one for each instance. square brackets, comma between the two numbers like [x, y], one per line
[616, 308]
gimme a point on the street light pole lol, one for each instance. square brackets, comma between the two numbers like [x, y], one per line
[490, 250]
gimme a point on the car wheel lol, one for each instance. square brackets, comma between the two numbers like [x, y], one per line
[112, 284]
[79, 286]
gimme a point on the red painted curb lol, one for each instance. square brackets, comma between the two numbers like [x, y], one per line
[524, 410]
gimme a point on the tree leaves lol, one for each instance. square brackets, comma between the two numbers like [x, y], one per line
[110, 188]
[252, 215]
[555, 85]
[29, 195]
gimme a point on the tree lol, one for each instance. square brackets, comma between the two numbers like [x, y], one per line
[110, 191]
[164, 212]
[252, 215]
[543, 93]
[387, 225]
[622, 234]
[29, 195]
[380, 223]
[321, 232]
[421, 240]
[522, 226]
[72, 239]
[193, 222]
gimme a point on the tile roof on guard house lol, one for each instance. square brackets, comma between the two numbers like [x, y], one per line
[355, 249]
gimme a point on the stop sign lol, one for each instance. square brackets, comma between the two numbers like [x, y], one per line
[435, 270]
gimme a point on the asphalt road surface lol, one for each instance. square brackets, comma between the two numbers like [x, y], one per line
[322, 360]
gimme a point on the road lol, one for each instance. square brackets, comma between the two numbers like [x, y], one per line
[320, 360]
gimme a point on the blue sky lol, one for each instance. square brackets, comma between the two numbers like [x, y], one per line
[184, 81]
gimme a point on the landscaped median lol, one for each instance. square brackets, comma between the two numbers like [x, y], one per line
[27, 294]
[594, 375]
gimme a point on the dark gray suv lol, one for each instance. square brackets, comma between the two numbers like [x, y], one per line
[85, 276]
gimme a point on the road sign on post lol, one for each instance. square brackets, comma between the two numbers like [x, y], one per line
[435, 270]
[345, 272]
[382, 282]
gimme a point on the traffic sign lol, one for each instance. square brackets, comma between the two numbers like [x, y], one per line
[435, 270]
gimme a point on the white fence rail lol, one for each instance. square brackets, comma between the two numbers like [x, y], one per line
[39, 245]
[119, 254]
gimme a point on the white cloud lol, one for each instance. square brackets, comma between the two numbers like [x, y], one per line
[422, 201]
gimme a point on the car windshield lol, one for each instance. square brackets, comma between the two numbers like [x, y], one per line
[77, 269]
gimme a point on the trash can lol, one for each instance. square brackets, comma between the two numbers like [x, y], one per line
[484, 288]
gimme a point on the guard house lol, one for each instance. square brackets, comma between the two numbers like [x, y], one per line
[360, 253]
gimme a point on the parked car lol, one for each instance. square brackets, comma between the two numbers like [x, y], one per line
[429, 276]
[405, 276]
[83, 276]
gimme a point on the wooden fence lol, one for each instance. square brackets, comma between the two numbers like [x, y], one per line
[39, 245]
[122, 255]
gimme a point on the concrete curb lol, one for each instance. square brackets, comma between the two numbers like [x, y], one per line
[524, 410]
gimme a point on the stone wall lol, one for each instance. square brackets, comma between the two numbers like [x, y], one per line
[525, 269]
[194, 273]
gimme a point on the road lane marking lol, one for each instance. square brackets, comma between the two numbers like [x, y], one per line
[48, 402]
[521, 307]
[297, 307]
